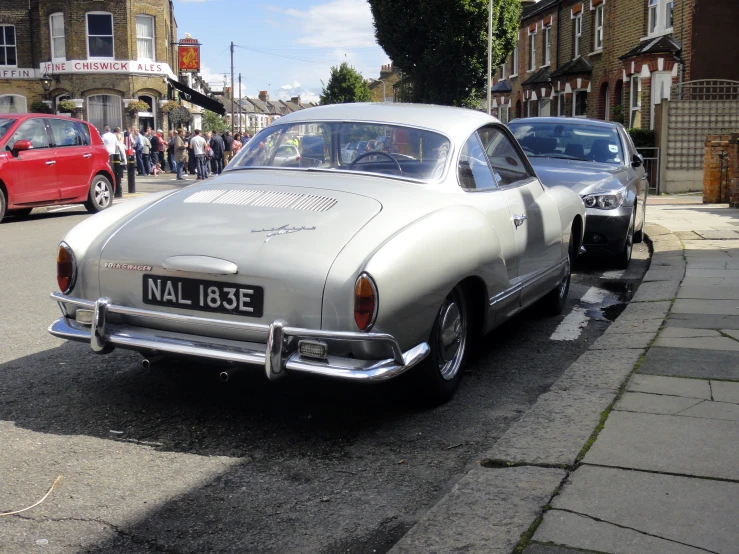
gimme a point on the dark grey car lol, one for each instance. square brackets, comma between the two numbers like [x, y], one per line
[598, 160]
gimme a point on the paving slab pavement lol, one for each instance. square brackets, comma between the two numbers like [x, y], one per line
[691, 362]
[698, 513]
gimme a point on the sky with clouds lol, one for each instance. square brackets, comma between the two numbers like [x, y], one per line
[287, 47]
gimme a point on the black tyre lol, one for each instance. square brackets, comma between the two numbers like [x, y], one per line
[554, 302]
[2, 205]
[101, 194]
[624, 257]
[24, 212]
[439, 375]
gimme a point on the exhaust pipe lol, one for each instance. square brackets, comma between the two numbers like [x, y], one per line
[146, 363]
[229, 374]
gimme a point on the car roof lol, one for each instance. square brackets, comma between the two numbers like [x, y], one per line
[567, 120]
[33, 114]
[453, 122]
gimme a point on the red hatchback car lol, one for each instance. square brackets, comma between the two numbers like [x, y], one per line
[47, 160]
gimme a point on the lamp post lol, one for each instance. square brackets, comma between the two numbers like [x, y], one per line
[384, 96]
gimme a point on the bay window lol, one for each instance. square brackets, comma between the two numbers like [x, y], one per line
[635, 102]
[580, 103]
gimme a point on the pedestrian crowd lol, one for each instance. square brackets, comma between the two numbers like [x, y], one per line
[182, 152]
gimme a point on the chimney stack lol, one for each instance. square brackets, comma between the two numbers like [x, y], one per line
[264, 96]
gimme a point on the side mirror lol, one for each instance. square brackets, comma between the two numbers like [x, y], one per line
[21, 145]
[637, 161]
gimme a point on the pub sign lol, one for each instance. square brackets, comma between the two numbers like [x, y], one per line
[188, 54]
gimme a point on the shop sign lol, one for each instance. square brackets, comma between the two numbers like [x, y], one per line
[188, 54]
[19, 73]
[128, 67]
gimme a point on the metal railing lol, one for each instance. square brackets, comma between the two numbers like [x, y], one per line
[707, 90]
[651, 166]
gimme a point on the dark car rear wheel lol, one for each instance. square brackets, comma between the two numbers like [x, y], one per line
[3, 204]
[439, 375]
[101, 194]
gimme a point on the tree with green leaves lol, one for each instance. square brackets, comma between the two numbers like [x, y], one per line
[213, 122]
[441, 46]
[345, 85]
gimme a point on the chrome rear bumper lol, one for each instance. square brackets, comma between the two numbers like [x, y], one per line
[279, 355]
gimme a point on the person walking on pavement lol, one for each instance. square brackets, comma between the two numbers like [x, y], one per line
[216, 143]
[191, 160]
[118, 169]
[227, 147]
[170, 152]
[198, 145]
[236, 144]
[138, 146]
[180, 152]
[154, 153]
[146, 152]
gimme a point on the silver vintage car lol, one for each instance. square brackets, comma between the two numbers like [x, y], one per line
[358, 268]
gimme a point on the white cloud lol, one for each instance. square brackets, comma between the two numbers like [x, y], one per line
[286, 92]
[336, 23]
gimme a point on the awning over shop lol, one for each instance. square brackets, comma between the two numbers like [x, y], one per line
[198, 98]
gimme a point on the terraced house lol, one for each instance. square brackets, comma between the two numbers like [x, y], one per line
[610, 59]
[98, 54]
[662, 65]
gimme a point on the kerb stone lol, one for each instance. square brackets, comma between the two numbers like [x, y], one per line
[486, 512]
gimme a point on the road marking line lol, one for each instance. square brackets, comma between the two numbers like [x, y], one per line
[594, 295]
[572, 325]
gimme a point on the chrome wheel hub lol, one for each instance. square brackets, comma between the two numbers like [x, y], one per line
[452, 338]
[102, 194]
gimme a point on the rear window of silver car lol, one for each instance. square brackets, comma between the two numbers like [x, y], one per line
[362, 147]
[573, 141]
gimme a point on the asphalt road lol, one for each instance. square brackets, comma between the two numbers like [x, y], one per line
[171, 460]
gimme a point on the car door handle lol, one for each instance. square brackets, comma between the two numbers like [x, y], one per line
[519, 220]
[51, 162]
[87, 155]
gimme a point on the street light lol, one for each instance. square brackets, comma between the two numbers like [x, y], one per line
[384, 96]
[46, 83]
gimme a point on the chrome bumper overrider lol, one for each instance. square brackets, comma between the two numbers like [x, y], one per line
[278, 355]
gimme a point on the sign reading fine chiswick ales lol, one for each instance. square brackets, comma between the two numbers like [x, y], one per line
[130, 67]
[188, 54]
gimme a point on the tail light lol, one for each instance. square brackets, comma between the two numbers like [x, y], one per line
[365, 302]
[66, 268]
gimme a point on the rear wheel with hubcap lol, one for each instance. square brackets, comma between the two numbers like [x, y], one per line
[101, 194]
[554, 302]
[439, 375]
[2, 205]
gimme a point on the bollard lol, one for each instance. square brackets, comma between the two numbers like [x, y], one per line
[131, 172]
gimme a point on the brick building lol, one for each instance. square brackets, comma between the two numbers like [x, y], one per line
[99, 54]
[612, 59]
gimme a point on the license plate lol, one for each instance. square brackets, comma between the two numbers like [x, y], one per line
[206, 296]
